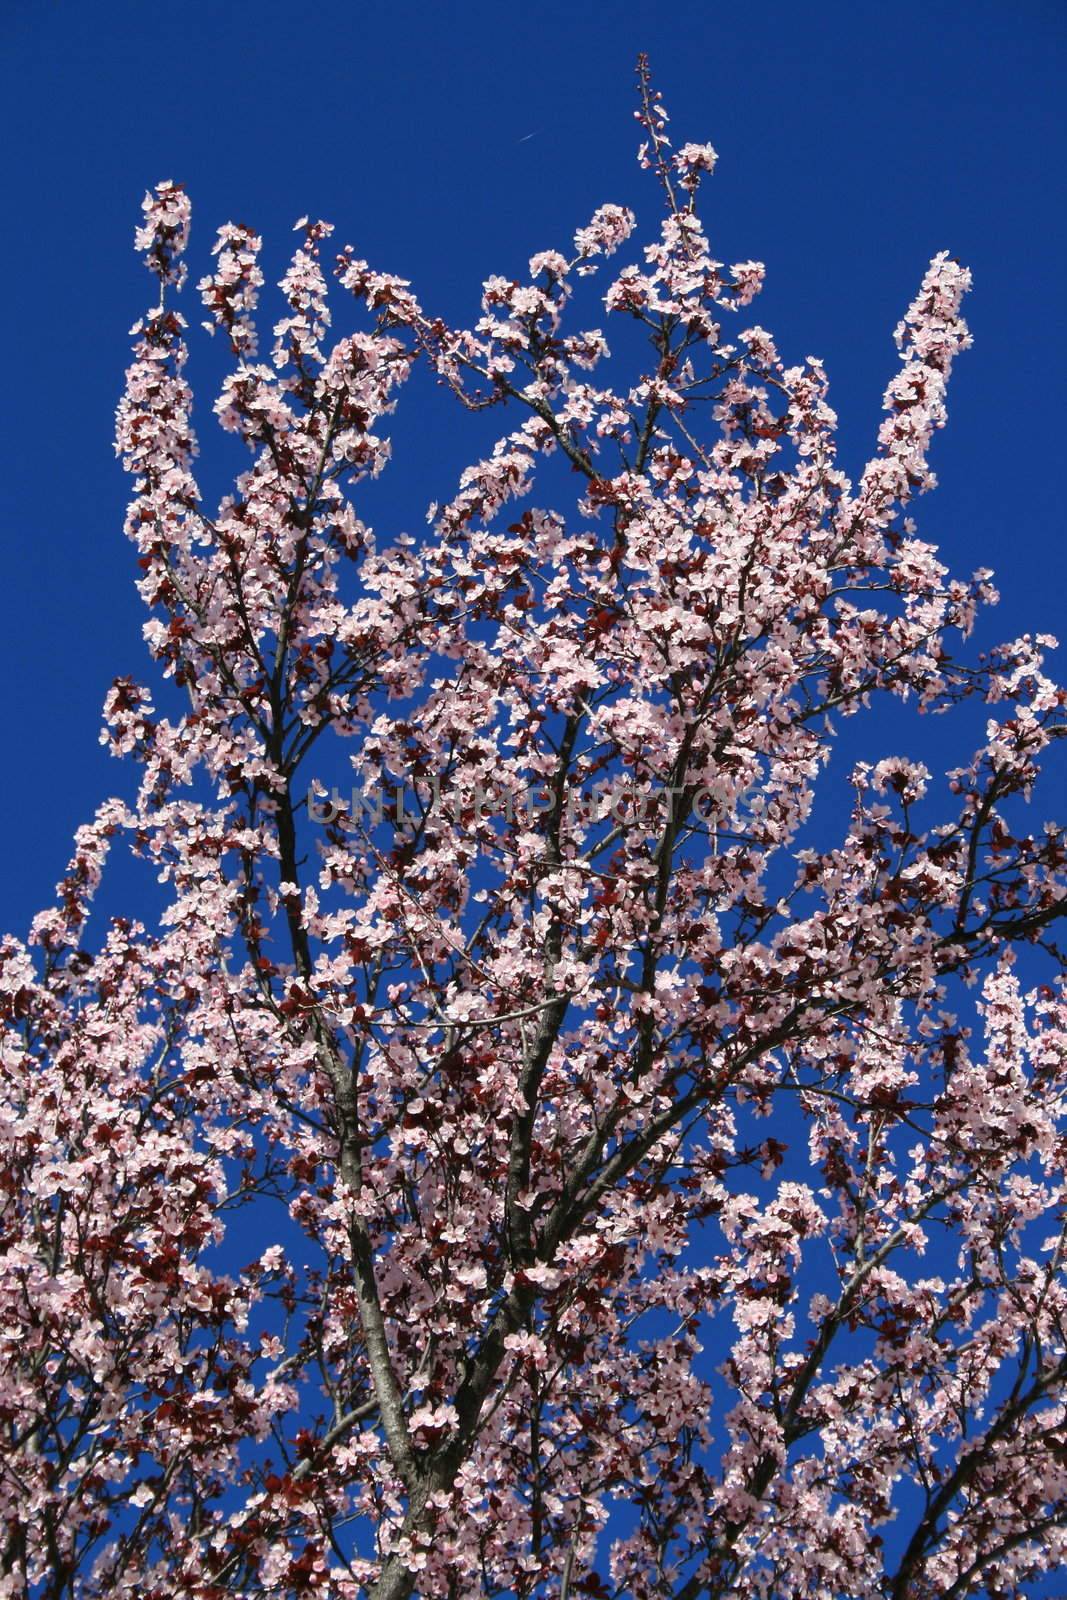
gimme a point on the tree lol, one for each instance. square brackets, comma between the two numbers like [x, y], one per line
[589, 1110]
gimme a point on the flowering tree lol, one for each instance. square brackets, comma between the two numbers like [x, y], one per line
[589, 1118]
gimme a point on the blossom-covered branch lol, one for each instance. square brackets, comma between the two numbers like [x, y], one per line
[644, 1145]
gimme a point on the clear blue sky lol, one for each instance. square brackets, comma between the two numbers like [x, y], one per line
[449, 141]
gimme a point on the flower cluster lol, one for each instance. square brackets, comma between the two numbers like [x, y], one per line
[420, 1183]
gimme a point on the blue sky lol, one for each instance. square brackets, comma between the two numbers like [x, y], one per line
[449, 141]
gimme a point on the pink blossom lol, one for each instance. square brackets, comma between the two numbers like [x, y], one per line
[506, 1106]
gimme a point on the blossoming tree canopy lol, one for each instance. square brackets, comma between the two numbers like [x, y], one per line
[557, 1199]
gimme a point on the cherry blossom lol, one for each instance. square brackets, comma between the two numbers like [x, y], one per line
[596, 1103]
